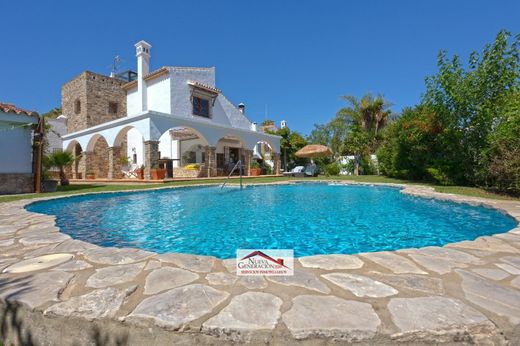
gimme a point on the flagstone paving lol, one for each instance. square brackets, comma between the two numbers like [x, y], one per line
[331, 317]
[166, 278]
[462, 293]
[177, 307]
[114, 275]
[361, 286]
[104, 302]
[301, 279]
[395, 263]
[246, 313]
[330, 262]
[439, 319]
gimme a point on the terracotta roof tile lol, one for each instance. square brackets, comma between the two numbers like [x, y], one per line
[161, 71]
[11, 108]
[203, 86]
[154, 74]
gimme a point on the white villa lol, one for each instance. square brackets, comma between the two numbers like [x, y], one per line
[171, 117]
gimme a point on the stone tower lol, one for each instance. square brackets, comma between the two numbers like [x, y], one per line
[91, 99]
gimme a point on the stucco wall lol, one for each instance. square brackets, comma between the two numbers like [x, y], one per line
[180, 90]
[158, 94]
[58, 129]
[132, 101]
[135, 140]
[15, 148]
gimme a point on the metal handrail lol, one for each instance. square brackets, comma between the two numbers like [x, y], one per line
[238, 164]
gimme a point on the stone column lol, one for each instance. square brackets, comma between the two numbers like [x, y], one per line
[248, 157]
[211, 161]
[151, 157]
[114, 163]
[276, 161]
[86, 163]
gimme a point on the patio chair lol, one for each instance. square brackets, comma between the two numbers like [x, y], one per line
[311, 170]
[130, 171]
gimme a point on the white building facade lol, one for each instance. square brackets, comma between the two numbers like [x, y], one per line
[16, 152]
[176, 115]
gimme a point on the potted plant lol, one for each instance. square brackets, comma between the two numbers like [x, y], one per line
[90, 175]
[266, 169]
[140, 172]
[61, 160]
[255, 168]
[124, 161]
[157, 173]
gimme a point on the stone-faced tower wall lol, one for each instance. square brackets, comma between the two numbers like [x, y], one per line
[91, 99]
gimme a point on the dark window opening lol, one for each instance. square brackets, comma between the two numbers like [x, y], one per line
[200, 107]
[77, 106]
[112, 107]
[220, 160]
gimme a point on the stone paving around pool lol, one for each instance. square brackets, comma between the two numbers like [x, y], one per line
[60, 291]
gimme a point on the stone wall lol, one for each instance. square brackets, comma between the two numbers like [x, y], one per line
[94, 92]
[179, 172]
[151, 157]
[16, 183]
[99, 159]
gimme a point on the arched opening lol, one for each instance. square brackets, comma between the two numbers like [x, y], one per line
[97, 158]
[130, 140]
[263, 153]
[182, 152]
[75, 171]
[229, 150]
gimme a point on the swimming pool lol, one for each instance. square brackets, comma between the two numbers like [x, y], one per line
[311, 218]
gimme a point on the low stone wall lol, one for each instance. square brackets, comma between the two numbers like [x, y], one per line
[11, 183]
[179, 172]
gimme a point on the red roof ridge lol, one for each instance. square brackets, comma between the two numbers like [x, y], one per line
[11, 108]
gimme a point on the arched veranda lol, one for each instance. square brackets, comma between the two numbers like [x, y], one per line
[77, 168]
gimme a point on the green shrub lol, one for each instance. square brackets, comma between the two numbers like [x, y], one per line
[267, 169]
[332, 169]
[438, 176]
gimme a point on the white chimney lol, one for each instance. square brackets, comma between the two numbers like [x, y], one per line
[253, 127]
[283, 124]
[242, 108]
[142, 52]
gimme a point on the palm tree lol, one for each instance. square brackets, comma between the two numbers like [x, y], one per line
[371, 113]
[364, 119]
[61, 160]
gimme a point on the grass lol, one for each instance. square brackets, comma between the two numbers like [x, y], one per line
[84, 188]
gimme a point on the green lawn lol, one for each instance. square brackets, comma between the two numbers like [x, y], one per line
[82, 188]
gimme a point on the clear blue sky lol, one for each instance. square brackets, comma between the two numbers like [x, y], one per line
[296, 57]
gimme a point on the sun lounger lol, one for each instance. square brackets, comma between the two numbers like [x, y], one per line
[295, 172]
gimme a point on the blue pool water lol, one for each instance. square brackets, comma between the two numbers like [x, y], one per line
[313, 218]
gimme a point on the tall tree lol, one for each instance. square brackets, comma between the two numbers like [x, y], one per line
[465, 131]
[290, 143]
[363, 119]
[471, 100]
[370, 113]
